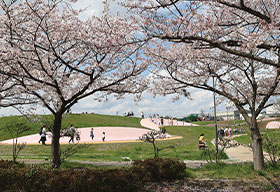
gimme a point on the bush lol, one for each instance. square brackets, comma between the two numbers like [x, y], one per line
[158, 169]
[120, 180]
[35, 179]
[17, 177]
[10, 173]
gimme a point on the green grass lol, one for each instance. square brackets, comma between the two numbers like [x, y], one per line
[234, 171]
[79, 120]
[186, 148]
[203, 122]
[246, 139]
[219, 123]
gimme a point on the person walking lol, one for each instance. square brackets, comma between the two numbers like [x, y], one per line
[103, 136]
[72, 133]
[40, 133]
[91, 134]
[161, 121]
[43, 134]
[142, 115]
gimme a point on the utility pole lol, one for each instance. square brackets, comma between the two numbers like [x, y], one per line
[215, 123]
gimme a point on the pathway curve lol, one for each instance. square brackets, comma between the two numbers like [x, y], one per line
[155, 123]
[113, 134]
[240, 153]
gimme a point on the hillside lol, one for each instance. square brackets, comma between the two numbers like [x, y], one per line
[79, 120]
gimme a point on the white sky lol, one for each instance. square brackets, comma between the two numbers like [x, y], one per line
[202, 100]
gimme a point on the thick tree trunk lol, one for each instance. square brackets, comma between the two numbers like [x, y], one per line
[258, 157]
[56, 162]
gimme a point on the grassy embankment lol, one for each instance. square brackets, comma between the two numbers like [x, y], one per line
[186, 148]
[79, 120]
[262, 126]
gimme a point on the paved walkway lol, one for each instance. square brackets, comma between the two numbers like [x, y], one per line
[113, 135]
[240, 153]
[155, 123]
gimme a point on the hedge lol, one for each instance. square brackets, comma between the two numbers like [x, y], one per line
[18, 177]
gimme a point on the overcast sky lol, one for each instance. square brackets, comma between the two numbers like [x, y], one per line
[202, 100]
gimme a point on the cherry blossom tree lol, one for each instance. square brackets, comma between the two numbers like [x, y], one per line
[235, 42]
[59, 59]
[11, 94]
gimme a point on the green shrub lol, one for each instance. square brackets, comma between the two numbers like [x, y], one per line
[10, 173]
[34, 179]
[17, 177]
[158, 169]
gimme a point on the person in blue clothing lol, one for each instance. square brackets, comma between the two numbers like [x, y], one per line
[91, 134]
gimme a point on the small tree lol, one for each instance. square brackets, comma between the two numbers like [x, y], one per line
[16, 129]
[151, 138]
[71, 150]
[272, 145]
[227, 142]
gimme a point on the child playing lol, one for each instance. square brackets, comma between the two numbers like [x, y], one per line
[91, 134]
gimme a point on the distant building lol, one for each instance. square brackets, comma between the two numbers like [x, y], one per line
[228, 115]
[221, 116]
[232, 115]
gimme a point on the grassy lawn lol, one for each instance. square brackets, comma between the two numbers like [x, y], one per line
[186, 148]
[243, 172]
[219, 123]
[79, 120]
[246, 139]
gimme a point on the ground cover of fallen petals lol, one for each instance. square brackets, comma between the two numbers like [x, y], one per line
[215, 185]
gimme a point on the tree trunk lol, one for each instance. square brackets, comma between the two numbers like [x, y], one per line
[56, 162]
[258, 157]
[155, 149]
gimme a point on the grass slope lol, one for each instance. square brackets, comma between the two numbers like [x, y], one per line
[186, 148]
[79, 120]
[262, 126]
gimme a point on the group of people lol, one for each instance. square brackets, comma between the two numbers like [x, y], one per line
[72, 130]
[92, 135]
[228, 132]
[221, 133]
[129, 114]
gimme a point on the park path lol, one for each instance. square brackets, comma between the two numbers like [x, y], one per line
[125, 135]
[113, 134]
[155, 123]
[241, 152]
